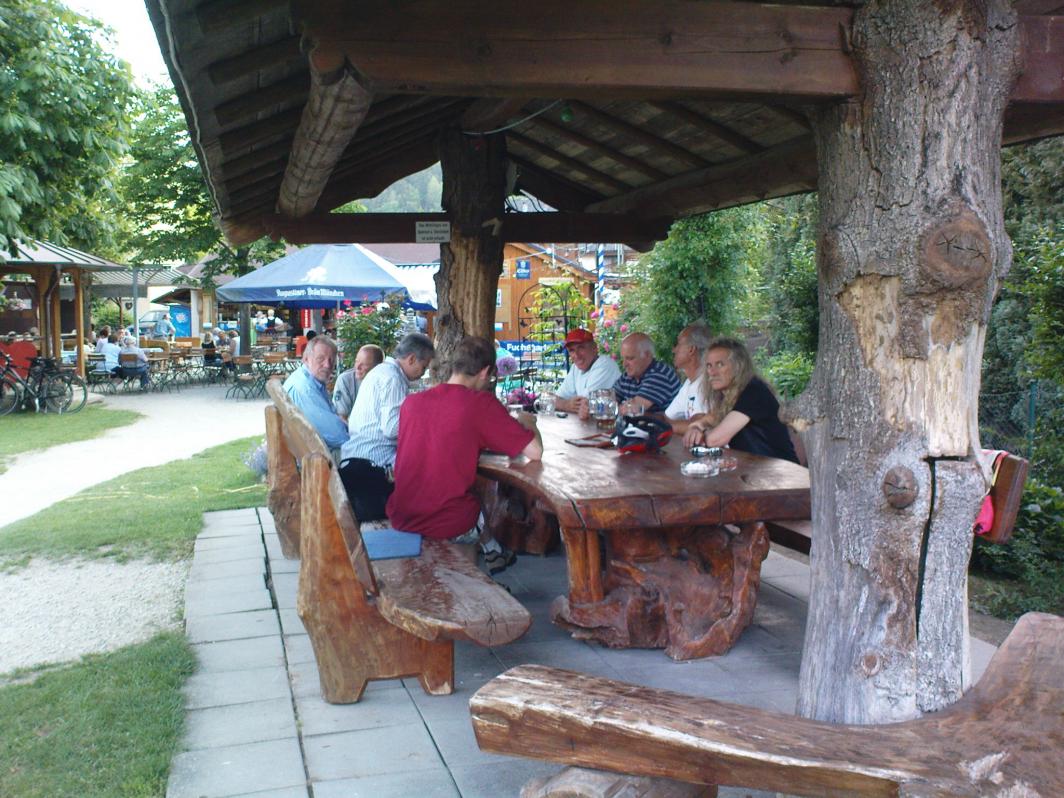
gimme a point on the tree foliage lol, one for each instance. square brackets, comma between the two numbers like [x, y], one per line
[63, 128]
[417, 192]
[698, 272]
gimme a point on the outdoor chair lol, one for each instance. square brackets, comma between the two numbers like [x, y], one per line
[131, 369]
[245, 380]
[98, 377]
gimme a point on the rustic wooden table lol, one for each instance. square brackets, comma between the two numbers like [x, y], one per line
[672, 575]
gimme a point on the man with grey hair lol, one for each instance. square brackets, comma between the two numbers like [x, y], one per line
[368, 457]
[647, 385]
[306, 388]
[688, 356]
[347, 383]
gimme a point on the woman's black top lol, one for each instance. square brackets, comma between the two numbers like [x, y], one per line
[765, 434]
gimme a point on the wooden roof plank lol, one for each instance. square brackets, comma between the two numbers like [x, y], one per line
[216, 16]
[707, 125]
[613, 154]
[552, 188]
[290, 91]
[569, 163]
[647, 138]
[251, 61]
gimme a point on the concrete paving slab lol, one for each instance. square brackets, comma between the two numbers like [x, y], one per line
[234, 626]
[298, 648]
[285, 792]
[229, 555]
[247, 542]
[239, 655]
[370, 752]
[236, 583]
[280, 565]
[284, 589]
[290, 623]
[273, 547]
[457, 744]
[246, 513]
[377, 709]
[572, 654]
[246, 531]
[236, 687]
[435, 783]
[209, 571]
[504, 777]
[236, 724]
[235, 769]
[244, 601]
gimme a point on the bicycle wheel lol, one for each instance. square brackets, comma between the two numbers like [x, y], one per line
[10, 395]
[79, 393]
[55, 394]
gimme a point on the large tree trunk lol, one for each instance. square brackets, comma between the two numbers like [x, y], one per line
[912, 248]
[474, 194]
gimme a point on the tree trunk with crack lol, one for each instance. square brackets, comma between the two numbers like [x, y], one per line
[911, 251]
[474, 194]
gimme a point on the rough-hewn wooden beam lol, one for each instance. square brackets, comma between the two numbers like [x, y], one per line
[229, 69]
[373, 228]
[612, 47]
[488, 114]
[290, 91]
[1028, 121]
[1042, 80]
[631, 131]
[336, 107]
[710, 126]
[571, 164]
[596, 146]
[551, 188]
[787, 169]
[240, 139]
[217, 15]
[255, 160]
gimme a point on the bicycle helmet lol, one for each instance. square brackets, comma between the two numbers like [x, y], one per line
[640, 434]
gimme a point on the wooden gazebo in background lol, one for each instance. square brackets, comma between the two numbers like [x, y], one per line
[47, 265]
[626, 114]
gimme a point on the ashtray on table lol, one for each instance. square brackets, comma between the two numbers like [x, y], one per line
[698, 468]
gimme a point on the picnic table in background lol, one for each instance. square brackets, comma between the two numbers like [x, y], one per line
[667, 573]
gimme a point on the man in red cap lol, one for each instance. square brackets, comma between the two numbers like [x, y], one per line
[590, 372]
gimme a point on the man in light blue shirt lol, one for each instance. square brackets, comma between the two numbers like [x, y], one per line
[306, 388]
[368, 456]
[164, 328]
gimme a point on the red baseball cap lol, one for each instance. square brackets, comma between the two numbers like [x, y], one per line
[578, 336]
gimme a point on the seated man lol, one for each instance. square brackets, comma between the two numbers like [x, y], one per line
[367, 459]
[133, 353]
[442, 432]
[689, 357]
[306, 388]
[647, 385]
[590, 372]
[347, 383]
[110, 351]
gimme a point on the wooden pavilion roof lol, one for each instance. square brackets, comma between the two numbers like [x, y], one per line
[640, 112]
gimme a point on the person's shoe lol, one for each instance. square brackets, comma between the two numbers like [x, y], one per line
[498, 561]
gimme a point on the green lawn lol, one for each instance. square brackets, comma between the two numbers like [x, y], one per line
[153, 512]
[107, 726]
[25, 432]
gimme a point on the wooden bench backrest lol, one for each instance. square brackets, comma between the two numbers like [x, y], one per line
[299, 434]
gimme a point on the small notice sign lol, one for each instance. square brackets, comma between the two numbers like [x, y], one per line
[524, 270]
[432, 232]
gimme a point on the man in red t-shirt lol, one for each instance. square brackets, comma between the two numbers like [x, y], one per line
[442, 432]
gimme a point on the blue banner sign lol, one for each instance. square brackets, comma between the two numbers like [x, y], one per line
[524, 270]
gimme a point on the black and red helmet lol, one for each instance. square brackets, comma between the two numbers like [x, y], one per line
[640, 434]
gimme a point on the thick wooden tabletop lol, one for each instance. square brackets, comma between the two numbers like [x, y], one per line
[601, 489]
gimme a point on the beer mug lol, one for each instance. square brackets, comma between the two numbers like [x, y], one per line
[545, 404]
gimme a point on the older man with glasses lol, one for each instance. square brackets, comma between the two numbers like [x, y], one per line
[589, 372]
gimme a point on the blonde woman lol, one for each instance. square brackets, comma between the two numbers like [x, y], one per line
[742, 411]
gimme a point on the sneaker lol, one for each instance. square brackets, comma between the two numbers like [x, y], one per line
[498, 561]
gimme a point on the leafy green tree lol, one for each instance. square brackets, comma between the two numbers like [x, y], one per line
[698, 272]
[789, 275]
[63, 127]
[166, 197]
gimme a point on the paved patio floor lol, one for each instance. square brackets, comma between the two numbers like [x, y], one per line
[257, 725]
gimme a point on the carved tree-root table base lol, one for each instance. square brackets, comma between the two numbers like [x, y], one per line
[689, 590]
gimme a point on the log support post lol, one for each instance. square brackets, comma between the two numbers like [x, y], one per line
[474, 194]
[911, 251]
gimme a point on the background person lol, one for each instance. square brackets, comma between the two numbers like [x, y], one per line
[164, 328]
[742, 411]
[688, 356]
[647, 385]
[368, 457]
[129, 347]
[590, 372]
[347, 383]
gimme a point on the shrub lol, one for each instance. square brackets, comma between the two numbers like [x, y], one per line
[789, 372]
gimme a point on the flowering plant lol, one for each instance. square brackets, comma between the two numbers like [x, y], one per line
[369, 323]
[505, 366]
[520, 396]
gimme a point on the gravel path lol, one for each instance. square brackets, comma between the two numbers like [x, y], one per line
[58, 611]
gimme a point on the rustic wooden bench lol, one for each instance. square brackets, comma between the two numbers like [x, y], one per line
[387, 618]
[1003, 738]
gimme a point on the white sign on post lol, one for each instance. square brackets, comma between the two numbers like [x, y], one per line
[432, 232]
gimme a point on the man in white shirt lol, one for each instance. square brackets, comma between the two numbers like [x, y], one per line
[688, 356]
[368, 457]
[590, 372]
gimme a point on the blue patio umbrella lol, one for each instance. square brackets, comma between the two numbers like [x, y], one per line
[318, 276]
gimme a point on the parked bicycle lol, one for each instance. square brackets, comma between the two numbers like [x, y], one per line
[48, 388]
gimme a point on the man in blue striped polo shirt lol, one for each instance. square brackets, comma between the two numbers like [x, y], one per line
[647, 385]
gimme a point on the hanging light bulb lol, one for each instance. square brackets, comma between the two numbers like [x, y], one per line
[566, 113]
